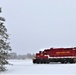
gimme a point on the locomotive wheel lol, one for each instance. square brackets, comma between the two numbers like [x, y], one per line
[65, 62]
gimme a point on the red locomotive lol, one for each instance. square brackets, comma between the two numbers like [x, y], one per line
[62, 55]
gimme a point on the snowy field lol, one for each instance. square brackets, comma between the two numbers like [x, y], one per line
[26, 67]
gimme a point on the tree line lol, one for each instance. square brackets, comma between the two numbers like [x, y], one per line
[14, 55]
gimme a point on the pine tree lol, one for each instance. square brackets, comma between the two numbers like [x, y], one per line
[4, 44]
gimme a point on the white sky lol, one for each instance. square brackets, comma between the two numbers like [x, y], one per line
[37, 24]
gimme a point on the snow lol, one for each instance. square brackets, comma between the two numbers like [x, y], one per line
[26, 67]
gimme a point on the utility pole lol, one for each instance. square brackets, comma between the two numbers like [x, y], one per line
[0, 9]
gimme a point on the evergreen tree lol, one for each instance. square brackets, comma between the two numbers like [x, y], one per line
[4, 44]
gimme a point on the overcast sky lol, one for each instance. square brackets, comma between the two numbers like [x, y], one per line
[38, 24]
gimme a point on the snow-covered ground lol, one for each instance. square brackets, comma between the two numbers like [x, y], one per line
[26, 67]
